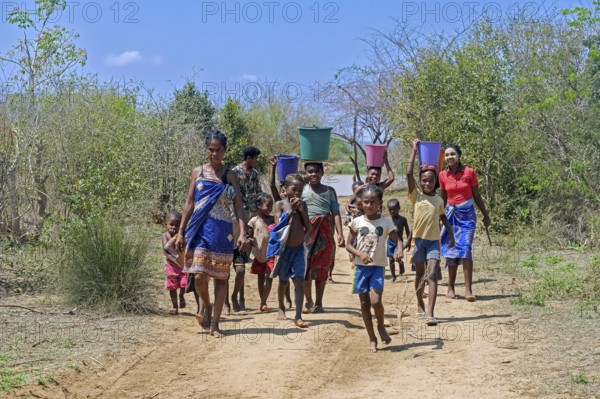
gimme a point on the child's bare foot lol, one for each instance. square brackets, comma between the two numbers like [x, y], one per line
[450, 294]
[227, 309]
[385, 337]
[300, 323]
[330, 280]
[288, 303]
[281, 314]
[181, 302]
[242, 304]
[206, 318]
[318, 309]
[393, 279]
[173, 311]
[373, 347]
[199, 318]
[217, 333]
[307, 308]
[235, 304]
[264, 308]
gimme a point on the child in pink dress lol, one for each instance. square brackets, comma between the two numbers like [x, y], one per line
[175, 277]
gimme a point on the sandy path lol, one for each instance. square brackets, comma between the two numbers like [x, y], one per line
[469, 354]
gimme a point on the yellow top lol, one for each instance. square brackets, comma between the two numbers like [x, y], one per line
[428, 209]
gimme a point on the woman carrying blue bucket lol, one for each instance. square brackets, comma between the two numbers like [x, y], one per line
[459, 188]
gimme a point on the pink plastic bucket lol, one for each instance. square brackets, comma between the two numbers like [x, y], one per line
[429, 152]
[375, 154]
[286, 164]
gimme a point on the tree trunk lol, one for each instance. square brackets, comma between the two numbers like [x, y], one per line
[355, 160]
[13, 203]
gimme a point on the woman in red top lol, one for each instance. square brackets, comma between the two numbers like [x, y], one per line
[459, 189]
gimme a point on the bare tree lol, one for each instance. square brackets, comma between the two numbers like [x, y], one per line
[358, 111]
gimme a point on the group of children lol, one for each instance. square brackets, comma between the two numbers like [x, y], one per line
[282, 244]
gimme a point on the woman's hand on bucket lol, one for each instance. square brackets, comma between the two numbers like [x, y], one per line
[416, 143]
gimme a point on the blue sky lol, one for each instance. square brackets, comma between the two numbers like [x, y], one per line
[238, 46]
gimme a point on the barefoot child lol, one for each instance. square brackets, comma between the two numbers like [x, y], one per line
[278, 195]
[429, 211]
[287, 241]
[401, 227]
[371, 232]
[175, 277]
[262, 266]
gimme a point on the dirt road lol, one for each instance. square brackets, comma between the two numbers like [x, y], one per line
[471, 353]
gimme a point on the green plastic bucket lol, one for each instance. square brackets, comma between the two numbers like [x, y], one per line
[314, 142]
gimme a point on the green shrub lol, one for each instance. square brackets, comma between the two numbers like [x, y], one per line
[10, 380]
[533, 297]
[105, 267]
[553, 260]
[531, 262]
[579, 378]
[591, 294]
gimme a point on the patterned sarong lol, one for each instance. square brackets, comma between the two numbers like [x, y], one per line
[320, 248]
[209, 233]
[463, 220]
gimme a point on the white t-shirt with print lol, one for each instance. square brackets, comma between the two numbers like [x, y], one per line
[371, 237]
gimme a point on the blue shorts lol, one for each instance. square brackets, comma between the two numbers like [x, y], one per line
[291, 263]
[391, 248]
[367, 278]
[426, 249]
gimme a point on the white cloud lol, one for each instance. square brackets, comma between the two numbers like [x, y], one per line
[126, 57]
[247, 76]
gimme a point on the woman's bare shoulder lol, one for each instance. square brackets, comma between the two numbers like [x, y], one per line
[197, 171]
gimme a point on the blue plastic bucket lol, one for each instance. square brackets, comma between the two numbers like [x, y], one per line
[286, 164]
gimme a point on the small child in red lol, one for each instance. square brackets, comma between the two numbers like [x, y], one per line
[175, 277]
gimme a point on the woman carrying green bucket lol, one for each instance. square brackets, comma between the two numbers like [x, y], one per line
[324, 214]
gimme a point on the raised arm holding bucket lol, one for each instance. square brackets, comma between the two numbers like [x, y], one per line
[377, 156]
